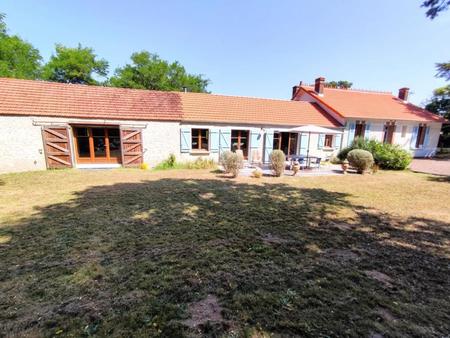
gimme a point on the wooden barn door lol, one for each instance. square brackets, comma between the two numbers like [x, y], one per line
[132, 149]
[57, 147]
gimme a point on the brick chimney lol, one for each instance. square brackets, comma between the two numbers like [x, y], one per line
[403, 94]
[294, 91]
[320, 83]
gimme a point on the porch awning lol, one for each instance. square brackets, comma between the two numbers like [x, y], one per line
[315, 130]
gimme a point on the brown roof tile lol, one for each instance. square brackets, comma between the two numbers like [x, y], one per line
[199, 107]
[40, 98]
[374, 105]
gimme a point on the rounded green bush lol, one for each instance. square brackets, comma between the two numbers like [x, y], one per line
[386, 156]
[277, 161]
[360, 159]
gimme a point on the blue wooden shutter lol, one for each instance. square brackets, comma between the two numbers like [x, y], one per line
[415, 131]
[351, 133]
[337, 141]
[224, 140]
[255, 141]
[304, 144]
[321, 141]
[367, 131]
[268, 144]
[214, 140]
[185, 140]
[427, 137]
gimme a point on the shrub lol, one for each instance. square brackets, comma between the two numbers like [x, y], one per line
[200, 163]
[392, 157]
[232, 162]
[360, 159]
[224, 159]
[144, 166]
[386, 156]
[277, 162]
[257, 173]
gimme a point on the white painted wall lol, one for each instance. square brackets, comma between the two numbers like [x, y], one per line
[192, 156]
[324, 153]
[21, 145]
[377, 133]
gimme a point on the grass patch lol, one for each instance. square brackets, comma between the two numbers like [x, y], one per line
[182, 253]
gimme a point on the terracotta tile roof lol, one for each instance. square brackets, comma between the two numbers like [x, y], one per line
[373, 105]
[198, 107]
[40, 98]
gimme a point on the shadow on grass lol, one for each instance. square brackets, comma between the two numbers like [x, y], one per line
[127, 259]
[435, 178]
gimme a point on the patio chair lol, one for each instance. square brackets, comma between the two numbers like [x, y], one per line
[315, 162]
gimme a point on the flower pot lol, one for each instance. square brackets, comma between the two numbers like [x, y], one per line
[344, 166]
[295, 168]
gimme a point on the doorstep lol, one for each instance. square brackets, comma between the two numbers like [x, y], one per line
[98, 165]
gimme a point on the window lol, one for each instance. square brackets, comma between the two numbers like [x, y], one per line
[200, 139]
[287, 142]
[389, 129]
[276, 140]
[239, 141]
[404, 129]
[420, 136]
[360, 129]
[97, 144]
[328, 143]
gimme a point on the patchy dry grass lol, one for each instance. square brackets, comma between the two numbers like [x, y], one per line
[129, 252]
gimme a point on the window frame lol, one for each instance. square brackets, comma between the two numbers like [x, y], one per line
[328, 137]
[199, 137]
[420, 140]
[360, 129]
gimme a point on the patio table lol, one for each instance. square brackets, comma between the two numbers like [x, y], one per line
[301, 158]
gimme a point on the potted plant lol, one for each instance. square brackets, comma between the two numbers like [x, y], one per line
[344, 165]
[295, 167]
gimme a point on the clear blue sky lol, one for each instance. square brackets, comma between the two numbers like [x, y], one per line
[253, 47]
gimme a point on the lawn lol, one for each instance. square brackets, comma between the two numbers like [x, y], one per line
[186, 253]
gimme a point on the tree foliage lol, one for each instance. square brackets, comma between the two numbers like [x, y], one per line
[443, 70]
[434, 7]
[148, 71]
[18, 58]
[75, 65]
[440, 104]
[339, 84]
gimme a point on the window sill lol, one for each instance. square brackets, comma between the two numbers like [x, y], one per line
[327, 148]
[199, 152]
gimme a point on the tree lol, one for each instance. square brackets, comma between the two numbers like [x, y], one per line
[434, 7]
[148, 71]
[75, 65]
[440, 104]
[443, 70]
[18, 58]
[339, 84]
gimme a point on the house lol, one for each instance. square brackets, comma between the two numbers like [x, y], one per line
[54, 125]
[376, 115]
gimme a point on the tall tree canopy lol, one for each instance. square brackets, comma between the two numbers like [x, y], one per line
[339, 84]
[434, 7]
[75, 65]
[148, 71]
[18, 58]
